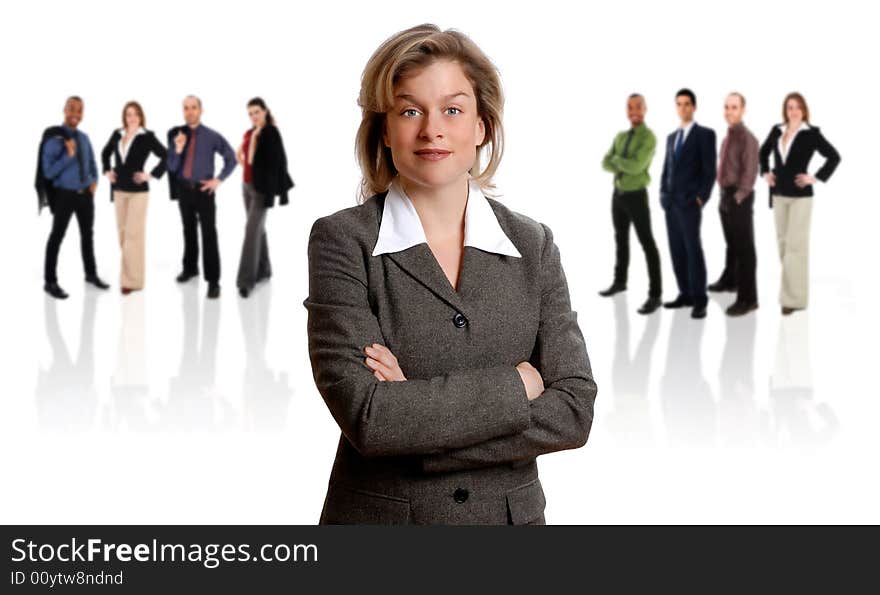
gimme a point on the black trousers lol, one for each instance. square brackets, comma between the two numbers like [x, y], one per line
[68, 203]
[198, 211]
[632, 208]
[740, 260]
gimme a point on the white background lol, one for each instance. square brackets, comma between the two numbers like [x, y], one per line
[136, 428]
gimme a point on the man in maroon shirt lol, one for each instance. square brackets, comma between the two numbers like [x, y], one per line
[737, 171]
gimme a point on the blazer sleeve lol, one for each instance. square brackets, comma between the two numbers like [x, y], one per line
[832, 157]
[766, 149]
[157, 149]
[562, 416]
[412, 417]
[707, 165]
[107, 152]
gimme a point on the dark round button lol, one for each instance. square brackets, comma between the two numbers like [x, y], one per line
[459, 320]
[460, 495]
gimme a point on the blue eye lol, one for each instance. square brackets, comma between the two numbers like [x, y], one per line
[455, 110]
[410, 113]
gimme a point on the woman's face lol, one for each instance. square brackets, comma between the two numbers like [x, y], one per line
[257, 115]
[793, 112]
[433, 130]
[132, 119]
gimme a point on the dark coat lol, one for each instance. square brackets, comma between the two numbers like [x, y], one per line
[456, 442]
[43, 185]
[806, 143]
[270, 177]
[141, 147]
[692, 174]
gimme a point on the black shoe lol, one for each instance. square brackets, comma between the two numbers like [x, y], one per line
[615, 288]
[213, 291]
[740, 309]
[185, 276]
[265, 277]
[699, 312]
[97, 282]
[650, 306]
[719, 285]
[679, 302]
[55, 291]
[244, 292]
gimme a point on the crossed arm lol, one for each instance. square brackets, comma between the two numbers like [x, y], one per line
[465, 418]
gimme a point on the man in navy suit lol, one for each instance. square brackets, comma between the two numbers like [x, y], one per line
[688, 177]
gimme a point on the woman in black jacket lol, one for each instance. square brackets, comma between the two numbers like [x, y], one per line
[129, 147]
[792, 145]
[262, 157]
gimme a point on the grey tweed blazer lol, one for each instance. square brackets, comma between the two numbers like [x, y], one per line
[456, 442]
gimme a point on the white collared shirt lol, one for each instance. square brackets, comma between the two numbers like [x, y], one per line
[401, 227]
[123, 150]
[783, 151]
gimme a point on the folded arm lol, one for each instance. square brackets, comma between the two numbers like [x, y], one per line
[562, 416]
[639, 159]
[412, 417]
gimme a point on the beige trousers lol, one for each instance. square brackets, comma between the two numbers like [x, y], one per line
[792, 217]
[131, 218]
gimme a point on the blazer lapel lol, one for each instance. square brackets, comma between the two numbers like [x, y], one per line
[419, 262]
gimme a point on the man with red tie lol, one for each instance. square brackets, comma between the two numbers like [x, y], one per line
[737, 171]
[194, 185]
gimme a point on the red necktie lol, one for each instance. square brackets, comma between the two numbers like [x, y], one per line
[190, 156]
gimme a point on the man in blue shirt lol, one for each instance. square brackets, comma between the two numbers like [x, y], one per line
[191, 167]
[68, 166]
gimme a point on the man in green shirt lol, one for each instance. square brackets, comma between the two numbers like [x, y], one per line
[629, 159]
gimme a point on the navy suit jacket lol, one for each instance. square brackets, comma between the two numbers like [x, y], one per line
[692, 175]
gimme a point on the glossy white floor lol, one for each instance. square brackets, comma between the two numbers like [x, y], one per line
[165, 407]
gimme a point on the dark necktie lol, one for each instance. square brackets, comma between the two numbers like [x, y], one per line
[679, 143]
[190, 156]
[629, 136]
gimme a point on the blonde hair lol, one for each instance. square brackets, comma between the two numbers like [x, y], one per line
[398, 56]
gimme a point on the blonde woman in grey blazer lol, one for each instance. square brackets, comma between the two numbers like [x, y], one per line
[440, 329]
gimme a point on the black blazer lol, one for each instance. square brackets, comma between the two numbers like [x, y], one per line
[270, 177]
[692, 175]
[174, 191]
[805, 144]
[141, 147]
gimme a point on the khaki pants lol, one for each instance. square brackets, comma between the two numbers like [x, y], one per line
[131, 218]
[793, 237]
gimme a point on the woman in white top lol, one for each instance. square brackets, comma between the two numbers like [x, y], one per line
[792, 144]
[123, 159]
[440, 329]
